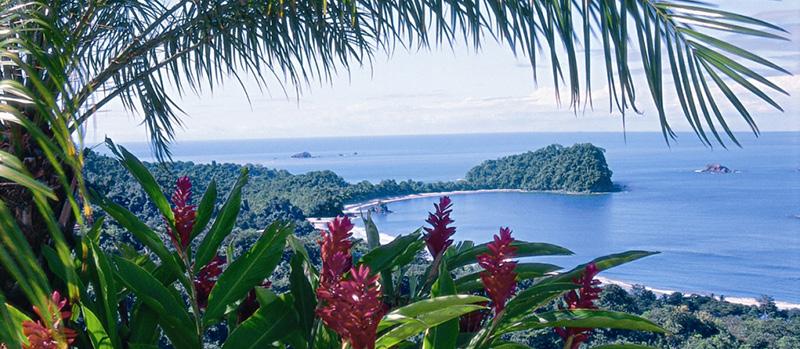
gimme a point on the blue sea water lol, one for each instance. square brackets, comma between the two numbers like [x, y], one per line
[735, 234]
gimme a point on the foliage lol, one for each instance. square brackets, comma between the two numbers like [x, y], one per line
[62, 61]
[579, 168]
[191, 288]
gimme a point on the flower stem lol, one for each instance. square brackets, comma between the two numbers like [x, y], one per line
[568, 342]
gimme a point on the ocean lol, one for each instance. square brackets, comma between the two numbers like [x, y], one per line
[736, 235]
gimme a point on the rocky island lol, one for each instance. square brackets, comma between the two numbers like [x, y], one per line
[715, 168]
[302, 155]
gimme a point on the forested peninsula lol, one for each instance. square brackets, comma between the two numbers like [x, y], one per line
[580, 168]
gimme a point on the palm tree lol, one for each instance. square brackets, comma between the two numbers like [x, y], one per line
[63, 60]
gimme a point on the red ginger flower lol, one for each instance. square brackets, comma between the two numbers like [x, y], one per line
[353, 308]
[438, 236]
[499, 278]
[335, 250]
[206, 279]
[583, 298]
[54, 334]
[183, 212]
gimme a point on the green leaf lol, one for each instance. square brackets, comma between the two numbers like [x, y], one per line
[11, 324]
[223, 224]
[395, 254]
[602, 263]
[97, 333]
[105, 289]
[535, 297]
[304, 299]
[443, 336]
[270, 323]
[586, 318]
[418, 308]
[247, 271]
[172, 314]
[139, 230]
[524, 249]
[411, 327]
[205, 209]
[145, 178]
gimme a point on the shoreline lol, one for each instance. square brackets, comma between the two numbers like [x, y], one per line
[748, 301]
[357, 209]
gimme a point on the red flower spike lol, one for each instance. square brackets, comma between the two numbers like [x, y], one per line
[183, 212]
[250, 304]
[583, 298]
[438, 236]
[353, 308]
[54, 336]
[498, 276]
[206, 279]
[335, 250]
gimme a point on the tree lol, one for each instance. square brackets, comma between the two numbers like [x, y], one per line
[63, 60]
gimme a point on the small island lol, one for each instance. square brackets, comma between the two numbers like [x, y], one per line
[302, 155]
[716, 169]
[581, 168]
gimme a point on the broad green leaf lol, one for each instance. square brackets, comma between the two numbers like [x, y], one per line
[145, 179]
[105, 290]
[393, 254]
[144, 325]
[304, 299]
[247, 271]
[172, 314]
[270, 323]
[418, 308]
[524, 249]
[139, 230]
[96, 331]
[602, 263]
[374, 241]
[535, 297]
[585, 318]
[411, 327]
[223, 224]
[299, 249]
[443, 336]
[205, 209]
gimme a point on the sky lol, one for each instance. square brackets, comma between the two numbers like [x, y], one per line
[453, 91]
